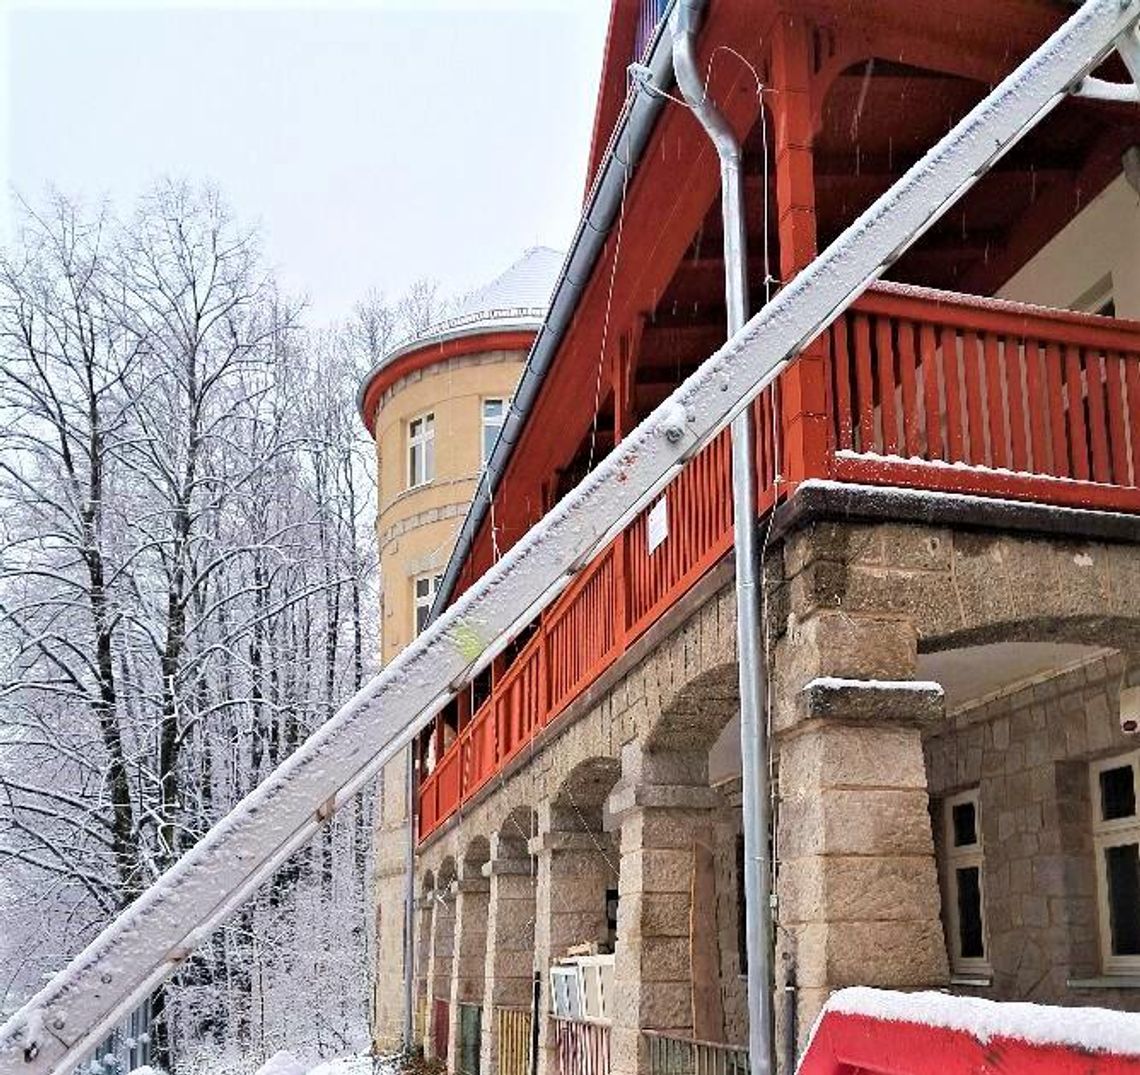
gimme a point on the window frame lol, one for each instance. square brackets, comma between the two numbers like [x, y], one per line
[1119, 832]
[421, 449]
[434, 579]
[504, 403]
[953, 859]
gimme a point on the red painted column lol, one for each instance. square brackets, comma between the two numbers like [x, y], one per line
[803, 394]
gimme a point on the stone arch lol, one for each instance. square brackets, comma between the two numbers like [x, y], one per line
[517, 829]
[692, 719]
[477, 852]
[578, 804]
[423, 952]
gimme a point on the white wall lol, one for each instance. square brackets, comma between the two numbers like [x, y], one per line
[1101, 245]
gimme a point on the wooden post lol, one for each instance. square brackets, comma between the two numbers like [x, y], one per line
[803, 392]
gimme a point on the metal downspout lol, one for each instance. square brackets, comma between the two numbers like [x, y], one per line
[409, 903]
[749, 634]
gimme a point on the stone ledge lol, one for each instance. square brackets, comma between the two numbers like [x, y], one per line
[871, 701]
[562, 841]
[502, 867]
[663, 797]
[815, 500]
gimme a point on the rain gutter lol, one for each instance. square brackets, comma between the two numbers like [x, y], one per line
[627, 143]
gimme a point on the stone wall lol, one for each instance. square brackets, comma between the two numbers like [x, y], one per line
[389, 879]
[1027, 752]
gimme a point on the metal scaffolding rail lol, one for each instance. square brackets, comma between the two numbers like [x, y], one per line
[145, 943]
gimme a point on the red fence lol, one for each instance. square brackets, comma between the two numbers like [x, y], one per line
[583, 1048]
[971, 395]
[924, 389]
[869, 1030]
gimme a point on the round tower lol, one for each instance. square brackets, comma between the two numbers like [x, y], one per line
[434, 406]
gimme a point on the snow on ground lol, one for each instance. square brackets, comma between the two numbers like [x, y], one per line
[349, 1065]
[282, 1063]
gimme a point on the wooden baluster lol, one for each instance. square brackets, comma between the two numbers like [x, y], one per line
[951, 372]
[1038, 407]
[1113, 371]
[973, 381]
[843, 421]
[864, 376]
[1078, 431]
[1015, 394]
[912, 419]
[1058, 418]
[928, 350]
[999, 453]
[888, 412]
[1098, 421]
[1132, 382]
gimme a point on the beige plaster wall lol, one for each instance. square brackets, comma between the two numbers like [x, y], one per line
[1100, 246]
[417, 527]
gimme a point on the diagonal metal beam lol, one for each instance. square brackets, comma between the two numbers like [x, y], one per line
[56, 1029]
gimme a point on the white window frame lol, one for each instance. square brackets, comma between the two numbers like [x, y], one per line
[1116, 833]
[433, 580]
[421, 449]
[954, 859]
[485, 425]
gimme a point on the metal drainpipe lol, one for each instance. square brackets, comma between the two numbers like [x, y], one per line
[750, 650]
[409, 902]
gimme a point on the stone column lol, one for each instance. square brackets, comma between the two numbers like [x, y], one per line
[471, 892]
[575, 866]
[858, 898]
[390, 881]
[664, 806]
[509, 966]
[422, 990]
[442, 960]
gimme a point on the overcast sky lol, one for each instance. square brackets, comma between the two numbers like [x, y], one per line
[373, 143]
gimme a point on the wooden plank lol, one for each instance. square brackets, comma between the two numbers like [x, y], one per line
[1078, 431]
[885, 362]
[843, 420]
[1114, 373]
[955, 421]
[864, 377]
[1038, 408]
[1016, 352]
[1058, 413]
[928, 352]
[1132, 382]
[995, 401]
[911, 416]
[1097, 416]
[973, 382]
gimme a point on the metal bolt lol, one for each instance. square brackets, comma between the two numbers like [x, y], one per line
[106, 979]
[59, 1022]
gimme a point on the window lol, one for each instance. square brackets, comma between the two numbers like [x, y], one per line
[965, 895]
[494, 412]
[421, 450]
[1116, 840]
[426, 587]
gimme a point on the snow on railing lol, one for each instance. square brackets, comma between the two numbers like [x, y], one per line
[875, 1030]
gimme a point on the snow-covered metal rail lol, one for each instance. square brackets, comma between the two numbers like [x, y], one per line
[54, 1030]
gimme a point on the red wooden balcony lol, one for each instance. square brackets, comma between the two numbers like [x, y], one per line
[922, 389]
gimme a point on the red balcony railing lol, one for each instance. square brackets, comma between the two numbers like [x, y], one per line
[924, 389]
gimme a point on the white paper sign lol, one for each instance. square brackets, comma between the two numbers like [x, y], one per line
[658, 529]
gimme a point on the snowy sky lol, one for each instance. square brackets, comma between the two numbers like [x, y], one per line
[373, 142]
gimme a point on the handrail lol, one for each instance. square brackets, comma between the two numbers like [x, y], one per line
[978, 393]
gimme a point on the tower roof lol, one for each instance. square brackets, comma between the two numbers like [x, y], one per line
[514, 301]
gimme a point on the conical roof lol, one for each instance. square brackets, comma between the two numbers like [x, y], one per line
[516, 300]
